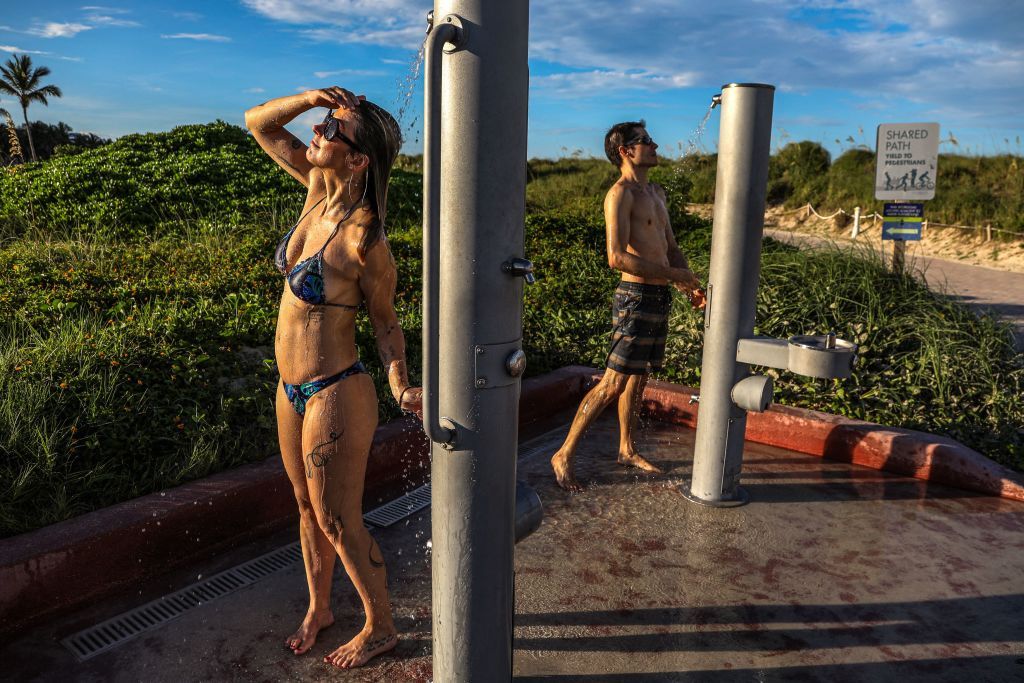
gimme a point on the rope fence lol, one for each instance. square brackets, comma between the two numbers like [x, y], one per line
[809, 210]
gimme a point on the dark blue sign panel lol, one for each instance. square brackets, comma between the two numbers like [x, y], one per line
[902, 221]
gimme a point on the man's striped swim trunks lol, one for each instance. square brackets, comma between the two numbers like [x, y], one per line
[639, 327]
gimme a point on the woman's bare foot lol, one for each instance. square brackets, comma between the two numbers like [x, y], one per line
[562, 465]
[634, 459]
[362, 648]
[304, 638]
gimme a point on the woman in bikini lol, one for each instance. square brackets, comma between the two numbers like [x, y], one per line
[335, 259]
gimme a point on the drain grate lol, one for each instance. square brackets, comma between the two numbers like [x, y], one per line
[109, 634]
[113, 632]
[399, 508]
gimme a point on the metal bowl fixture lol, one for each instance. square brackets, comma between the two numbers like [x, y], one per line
[821, 355]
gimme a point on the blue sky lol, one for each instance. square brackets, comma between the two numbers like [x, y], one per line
[841, 66]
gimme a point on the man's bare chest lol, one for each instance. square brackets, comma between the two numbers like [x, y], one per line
[648, 220]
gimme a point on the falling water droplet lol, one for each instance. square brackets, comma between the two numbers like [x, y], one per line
[406, 89]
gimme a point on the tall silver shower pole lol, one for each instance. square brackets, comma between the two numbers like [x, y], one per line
[474, 209]
[727, 388]
[744, 145]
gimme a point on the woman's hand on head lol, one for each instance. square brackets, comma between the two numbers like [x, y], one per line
[334, 97]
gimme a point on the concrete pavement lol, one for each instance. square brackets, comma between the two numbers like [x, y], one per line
[833, 572]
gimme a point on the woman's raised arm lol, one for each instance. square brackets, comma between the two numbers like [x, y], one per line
[266, 122]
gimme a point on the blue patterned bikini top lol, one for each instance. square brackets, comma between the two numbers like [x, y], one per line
[306, 279]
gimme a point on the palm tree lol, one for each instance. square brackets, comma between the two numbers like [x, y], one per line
[18, 78]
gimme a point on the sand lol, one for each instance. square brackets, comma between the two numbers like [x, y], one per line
[954, 244]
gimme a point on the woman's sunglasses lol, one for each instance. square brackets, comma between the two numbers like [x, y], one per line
[332, 129]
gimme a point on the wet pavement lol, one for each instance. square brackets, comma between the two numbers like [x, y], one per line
[833, 572]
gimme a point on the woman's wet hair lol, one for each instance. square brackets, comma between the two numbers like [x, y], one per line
[380, 138]
[617, 136]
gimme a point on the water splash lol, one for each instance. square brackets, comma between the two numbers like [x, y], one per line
[695, 143]
[689, 155]
[406, 89]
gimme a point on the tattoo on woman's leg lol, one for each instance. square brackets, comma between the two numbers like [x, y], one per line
[374, 562]
[318, 458]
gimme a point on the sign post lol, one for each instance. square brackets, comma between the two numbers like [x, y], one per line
[906, 162]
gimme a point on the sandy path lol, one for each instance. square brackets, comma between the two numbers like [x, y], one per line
[950, 244]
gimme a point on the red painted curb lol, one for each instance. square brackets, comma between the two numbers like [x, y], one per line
[902, 451]
[64, 565]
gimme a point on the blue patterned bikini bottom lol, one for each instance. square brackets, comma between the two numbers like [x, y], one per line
[298, 394]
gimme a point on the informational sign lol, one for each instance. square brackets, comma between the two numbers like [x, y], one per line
[902, 221]
[906, 156]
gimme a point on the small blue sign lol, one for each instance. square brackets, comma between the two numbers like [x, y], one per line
[902, 221]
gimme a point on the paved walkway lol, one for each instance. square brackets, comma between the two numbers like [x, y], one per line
[984, 289]
[833, 573]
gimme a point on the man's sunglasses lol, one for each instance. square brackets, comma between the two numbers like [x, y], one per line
[641, 140]
[332, 129]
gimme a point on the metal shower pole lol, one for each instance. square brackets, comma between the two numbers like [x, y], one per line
[744, 145]
[475, 123]
[727, 388]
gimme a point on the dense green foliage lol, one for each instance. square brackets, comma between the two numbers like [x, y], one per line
[975, 191]
[136, 351]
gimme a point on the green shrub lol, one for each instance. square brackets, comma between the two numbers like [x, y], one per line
[798, 173]
[569, 185]
[147, 186]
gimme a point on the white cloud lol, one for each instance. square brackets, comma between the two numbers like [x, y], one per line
[353, 73]
[187, 16]
[336, 12]
[254, 90]
[593, 82]
[107, 20]
[12, 49]
[58, 30]
[407, 37]
[934, 52]
[930, 51]
[197, 36]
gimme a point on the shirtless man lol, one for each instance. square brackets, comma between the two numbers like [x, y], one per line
[640, 245]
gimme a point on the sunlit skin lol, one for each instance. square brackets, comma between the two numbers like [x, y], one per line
[325, 452]
[642, 247]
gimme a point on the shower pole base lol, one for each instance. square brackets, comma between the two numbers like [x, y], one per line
[740, 497]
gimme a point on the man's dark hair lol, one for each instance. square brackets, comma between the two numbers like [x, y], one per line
[617, 136]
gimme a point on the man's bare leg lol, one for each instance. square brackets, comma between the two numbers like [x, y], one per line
[597, 399]
[629, 414]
